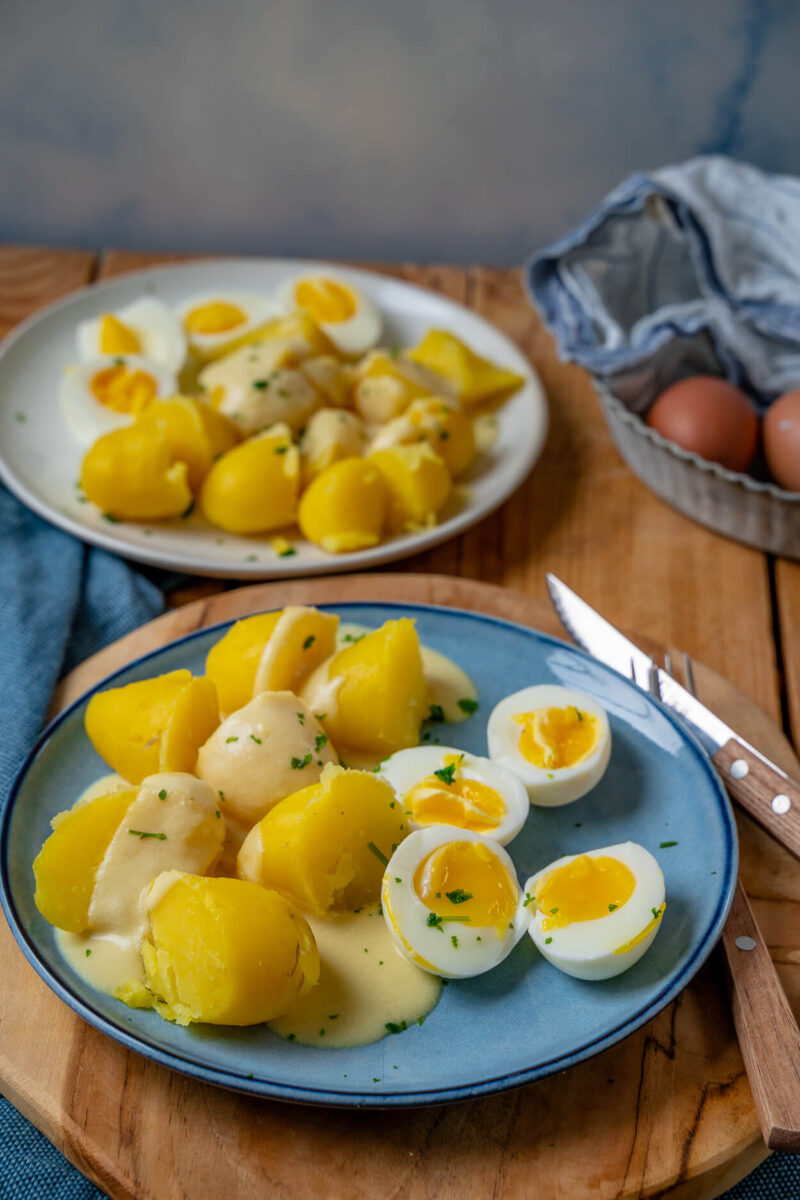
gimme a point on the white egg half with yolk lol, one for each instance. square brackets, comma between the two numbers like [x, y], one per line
[214, 321]
[438, 785]
[555, 738]
[107, 393]
[146, 328]
[345, 315]
[452, 901]
[594, 915]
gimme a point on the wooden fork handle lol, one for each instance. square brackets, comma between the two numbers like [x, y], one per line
[769, 796]
[765, 1026]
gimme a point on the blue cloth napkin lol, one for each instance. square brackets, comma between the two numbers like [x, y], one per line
[691, 269]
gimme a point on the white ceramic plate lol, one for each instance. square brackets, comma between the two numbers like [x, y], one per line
[40, 463]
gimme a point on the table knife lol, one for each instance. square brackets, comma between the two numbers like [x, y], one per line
[760, 787]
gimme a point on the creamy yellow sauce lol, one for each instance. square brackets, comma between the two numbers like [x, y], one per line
[104, 962]
[364, 985]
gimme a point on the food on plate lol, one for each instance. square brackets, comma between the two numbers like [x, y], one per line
[257, 386]
[147, 327]
[130, 475]
[214, 321]
[781, 437]
[342, 312]
[594, 915]
[325, 846]
[271, 652]
[709, 417]
[102, 854]
[439, 785]
[344, 507]
[105, 394]
[254, 487]
[373, 692]
[330, 377]
[267, 750]
[153, 724]
[555, 738]
[330, 435]
[195, 434]
[452, 901]
[385, 384]
[437, 420]
[418, 483]
[223, 951]
[470, 377]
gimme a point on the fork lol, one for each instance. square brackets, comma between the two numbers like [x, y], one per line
[768, 1034]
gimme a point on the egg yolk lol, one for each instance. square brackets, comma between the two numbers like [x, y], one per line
[584, 889]
[466, 882]
[123, 390]
[326, 300]
[445, 798]
[215, 317]
[557, 737]
[117, 338]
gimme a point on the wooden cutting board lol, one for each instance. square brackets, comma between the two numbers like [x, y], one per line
[667, 1111]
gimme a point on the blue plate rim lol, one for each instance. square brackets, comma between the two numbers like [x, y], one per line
[329, 1097]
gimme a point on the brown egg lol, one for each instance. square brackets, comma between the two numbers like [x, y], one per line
[781, 434]
[709, 416]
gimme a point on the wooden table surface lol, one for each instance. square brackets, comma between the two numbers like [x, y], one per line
[581, 514]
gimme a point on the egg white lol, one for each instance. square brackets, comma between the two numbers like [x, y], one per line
[352, 336]
[85, 417]
[258, 310]
[479, 948]
[405, 769]
[592, 949]
[159, 332]
[555, 786]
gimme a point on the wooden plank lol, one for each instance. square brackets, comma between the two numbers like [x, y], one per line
[668, 1108]
[787, 591]
[31, 276]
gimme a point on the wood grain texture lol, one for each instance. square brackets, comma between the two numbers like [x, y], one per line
[668, 1111]
[759, 789]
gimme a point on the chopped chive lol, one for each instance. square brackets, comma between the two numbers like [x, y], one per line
[319, 741]
[454, 941]
[141, 833]
[656, 913]
[447, 774]
[547, 941]
[299, 763]
[280, 449]
[287, 553]
[458, 896]
[88, 953]
[309, 642]
[578, 714]
[394, 1027]
[611, 907]
[162, 795]
[255, 739]
[301, 718]
[221, 795]
[435, 713]
[350, 637]
[378, 853]
[664, 845]
[112, 520]
[468, 706]
[260, 384]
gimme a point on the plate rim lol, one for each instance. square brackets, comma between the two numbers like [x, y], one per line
[386, 552]
[329, 1097]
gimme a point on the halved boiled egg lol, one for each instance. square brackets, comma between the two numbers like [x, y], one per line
[593, 915]
[109, 393]
[452, 902]
[146, 328]
[214, 321]
[555, 738]
[437, 785]
[342, 312]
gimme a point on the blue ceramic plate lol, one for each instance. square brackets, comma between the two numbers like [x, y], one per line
[515, 1024]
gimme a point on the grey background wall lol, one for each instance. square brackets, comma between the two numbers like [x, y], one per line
[430, 129]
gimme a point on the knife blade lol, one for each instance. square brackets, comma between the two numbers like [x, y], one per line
[760, 787]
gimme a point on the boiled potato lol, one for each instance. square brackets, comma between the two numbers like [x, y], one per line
[471, 377]
[331, 434]
[439, 421]
[373, 693]
[254, 487]
[130, 474]
[263, 752]
[418, 482]
[326, 847]
[271, 652]
[194, 432]
[343, 508]
[385, 385]
[331, 378]
[153, 724]
[224, 951]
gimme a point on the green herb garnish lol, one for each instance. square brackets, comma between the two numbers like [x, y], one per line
[436, 713]
[299, 763]
[255, 739]
[378, 853]
[664, 845]
[468, 706]
[447, 774]
[319, 741]
[458, 896]
[309, 642]
[141, 833]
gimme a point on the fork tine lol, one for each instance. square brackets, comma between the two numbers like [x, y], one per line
[688, 671]
[652, 680]
[668, 664]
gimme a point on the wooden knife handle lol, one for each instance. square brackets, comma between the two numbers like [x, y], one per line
[767, 1031]
[769, 796]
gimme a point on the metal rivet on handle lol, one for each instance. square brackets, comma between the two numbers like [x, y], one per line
[745, 943]
[781, 804]
[740, 768]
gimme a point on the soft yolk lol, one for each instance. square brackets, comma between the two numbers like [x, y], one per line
[215, 317]
[447, 799]
[584, 889]
[123, 390]
[326, 300]
[116, 338]
[556, 737]
[466, 882]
